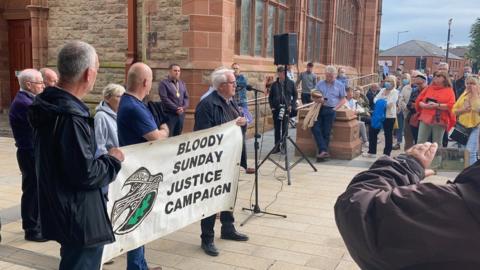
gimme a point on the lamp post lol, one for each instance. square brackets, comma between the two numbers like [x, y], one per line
[398, 35]
[448, 40]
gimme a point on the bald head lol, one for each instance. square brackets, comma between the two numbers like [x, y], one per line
[139, 80]
[50, 77]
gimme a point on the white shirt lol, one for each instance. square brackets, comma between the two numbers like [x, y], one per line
[391, 102]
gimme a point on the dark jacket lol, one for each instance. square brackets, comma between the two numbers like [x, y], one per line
[22, 131]
[389, 220]
[69, 176]
[157, 109]
[459, 87]
[288, 98]
[211, 111]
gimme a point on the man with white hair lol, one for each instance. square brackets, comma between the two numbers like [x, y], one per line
[50, 77]
[334, 94]
[31, 84]
[72, 207]
[216, 109]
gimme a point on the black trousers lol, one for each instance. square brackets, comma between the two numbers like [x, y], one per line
[29, 201]
[175, 123]
[78, 258]
[279, 126]
[388, 124]
[227, 220]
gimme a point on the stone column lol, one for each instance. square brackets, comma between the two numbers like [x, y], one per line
[39, 15]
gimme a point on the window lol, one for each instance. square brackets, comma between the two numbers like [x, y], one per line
[314, 31]
[345, 32]
[259, 21]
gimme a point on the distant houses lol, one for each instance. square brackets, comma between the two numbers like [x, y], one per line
[417, 54]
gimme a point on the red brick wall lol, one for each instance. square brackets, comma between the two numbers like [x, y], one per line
[4, 72]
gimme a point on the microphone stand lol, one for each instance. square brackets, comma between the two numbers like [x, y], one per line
[256, 207]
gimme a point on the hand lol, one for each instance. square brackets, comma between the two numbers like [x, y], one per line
[424, 153]
[165, 132]
[180, 110]
[269, 80]
[116, 153]
[241, 121]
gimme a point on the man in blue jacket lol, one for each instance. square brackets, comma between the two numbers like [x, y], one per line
[72, 208]
[31, 84]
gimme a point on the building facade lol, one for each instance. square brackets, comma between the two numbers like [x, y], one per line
[199, 35]
[420, 55]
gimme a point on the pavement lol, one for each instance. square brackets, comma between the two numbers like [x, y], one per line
[306, 239]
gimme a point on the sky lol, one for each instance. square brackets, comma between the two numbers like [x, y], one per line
[427, 20]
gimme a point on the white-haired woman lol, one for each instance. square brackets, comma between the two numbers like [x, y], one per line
[106, 118]
[467, 109]
[389, 95]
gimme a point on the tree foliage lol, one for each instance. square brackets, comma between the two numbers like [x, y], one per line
[474, 48]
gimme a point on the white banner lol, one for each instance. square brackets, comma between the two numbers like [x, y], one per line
[166, 185]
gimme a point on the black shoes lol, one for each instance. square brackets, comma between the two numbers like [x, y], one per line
[35, 237]
[210, 249]
[235, 236]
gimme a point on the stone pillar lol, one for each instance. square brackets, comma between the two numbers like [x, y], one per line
[39, 16]
[345, 138]
[344, 143]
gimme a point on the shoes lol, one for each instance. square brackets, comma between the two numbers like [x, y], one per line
[210, 249]
[250, 170]
[368, 155]
[235, 236]
[323, 155]
[396, 146]
[35, 237]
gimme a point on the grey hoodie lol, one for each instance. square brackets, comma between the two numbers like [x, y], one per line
[106, 134]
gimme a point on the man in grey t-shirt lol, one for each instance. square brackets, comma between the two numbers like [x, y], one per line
[309, 80]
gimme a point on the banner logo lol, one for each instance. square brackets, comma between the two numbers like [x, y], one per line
[135, 206]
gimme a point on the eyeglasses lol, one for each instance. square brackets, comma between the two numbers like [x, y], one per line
[233, 83]
[37, 82]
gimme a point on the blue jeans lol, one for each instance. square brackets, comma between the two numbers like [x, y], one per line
[472, 144]
[136, 259]
[77, 258]
[323, 127]
[400, 127]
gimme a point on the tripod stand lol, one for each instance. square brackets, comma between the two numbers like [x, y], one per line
[256, 208]
[285, 138]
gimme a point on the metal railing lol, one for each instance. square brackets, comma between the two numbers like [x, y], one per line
[365, 80]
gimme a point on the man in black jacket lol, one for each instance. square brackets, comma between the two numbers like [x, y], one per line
[390, 220]
[72, 207]
[216, 109]
[282, 99]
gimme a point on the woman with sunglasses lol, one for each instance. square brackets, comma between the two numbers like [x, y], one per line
[434, 105]
[467, 109]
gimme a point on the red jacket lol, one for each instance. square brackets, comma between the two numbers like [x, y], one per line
[443, 95]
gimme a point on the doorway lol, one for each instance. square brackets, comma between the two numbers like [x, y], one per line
[20, 51]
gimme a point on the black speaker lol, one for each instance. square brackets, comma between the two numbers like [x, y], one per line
[285, 49]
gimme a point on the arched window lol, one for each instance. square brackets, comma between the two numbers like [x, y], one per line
[315, 28]
[345, 32]
[259, 20]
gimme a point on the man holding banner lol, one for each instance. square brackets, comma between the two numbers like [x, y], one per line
[136, 125]
[216, 109]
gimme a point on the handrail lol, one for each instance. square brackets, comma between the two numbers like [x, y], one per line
[252, 101]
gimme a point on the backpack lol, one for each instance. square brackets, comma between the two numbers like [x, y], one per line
[379, 113]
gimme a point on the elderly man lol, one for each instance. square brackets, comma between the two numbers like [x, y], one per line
[334, 94]
[50, 77]
[282, 100]
[135, 125]
[342, 76]
[72, 207]
[174, 96]
[459, 85]
[31, 84]
[309, 80]
[216, 109]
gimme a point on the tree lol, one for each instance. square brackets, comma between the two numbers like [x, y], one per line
[474, 47]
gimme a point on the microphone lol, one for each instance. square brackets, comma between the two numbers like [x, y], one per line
[250, 88]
